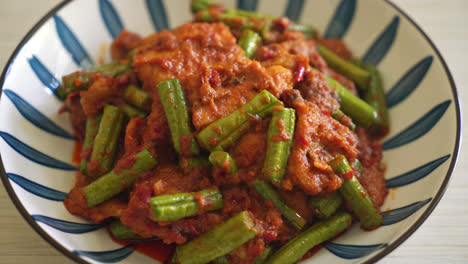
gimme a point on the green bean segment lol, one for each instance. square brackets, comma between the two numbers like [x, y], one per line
[249, 42]
[217, 242]
[92, 126]
[375, 96]
[264, 256]
[358, 75]
[175, 107]
[223, 160]
[313, 236]
[121, 231]
[176, 206]
[214, 133]
[340, 165]
[116, 181]
[279, 139]
[137, 97]
[81, 80]
[105, 142]
[360, 112]
[269, 193]
[326, 206]
[361, 204]
[356, 196]
[132, 112]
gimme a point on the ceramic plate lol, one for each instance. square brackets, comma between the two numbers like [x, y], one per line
[36, 142]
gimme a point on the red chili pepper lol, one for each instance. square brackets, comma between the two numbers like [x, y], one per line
[214, 78]
[280, 24]
[348, 175]
[267, 54]
[299, 74]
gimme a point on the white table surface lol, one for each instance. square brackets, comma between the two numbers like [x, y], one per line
[443, 238]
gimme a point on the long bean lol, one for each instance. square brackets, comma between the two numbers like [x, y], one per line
[200, 7]
[313, 236]
[223, 160]
[356, 196]
[92, 126]
[175, 107]
[269, 193]
[264, 256]
[81, 80]
[242, 129]
[360, 112]
[105, 142]
[249, 42]
[361, 204]
[279, 138]
[215, 132]
[137, 97]
[375, 96]
[132, 112]
[358, 75]
[344, 119]
[121, 231]
[172, 207]
[326, 206]
[116, 181]
[217, 242]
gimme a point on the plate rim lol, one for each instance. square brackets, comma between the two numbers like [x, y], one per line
[392, 246]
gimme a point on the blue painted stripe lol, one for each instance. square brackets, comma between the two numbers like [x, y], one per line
[396, 215]
[110, 17]
[250, 5]
[382, 44]
[418, 128]
[67, 226]
[110, 256]
[352, 251]
[34, 155]
[409, 82]
[72, 44]
[35, 117]
[44, 75]
[416, 174]
[158, 14]
[294, 9]
[341, 20]
[37, 189]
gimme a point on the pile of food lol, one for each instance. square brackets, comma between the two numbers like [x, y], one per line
[239, 138]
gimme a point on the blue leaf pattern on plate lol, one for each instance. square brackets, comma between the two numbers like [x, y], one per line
[72, 44]
[111, 18]
[250, 5]
[34, 116]
[382, 44]
[294, 9]
[110, 256]
[341, 20]
[44, 75]
[37, 189]
[418, 128]
[67, 226]
[158, 14]
[352, 251]
[34, 155]
[409, 82]
[416, 174]
[396, 215]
